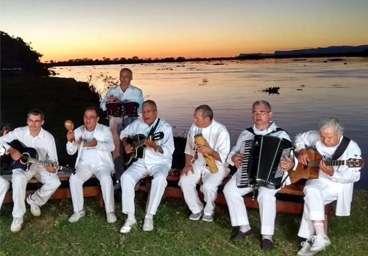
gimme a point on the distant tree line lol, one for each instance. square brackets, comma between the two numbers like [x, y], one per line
[18, 58]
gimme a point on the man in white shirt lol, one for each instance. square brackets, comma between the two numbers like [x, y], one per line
[34, 136]
[215, 150]
[94, 144]
[156, 162]
[123, 93]
[262, 114]
[334, 183]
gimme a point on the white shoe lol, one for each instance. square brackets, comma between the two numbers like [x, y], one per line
[195, 216]
[76, 216]
[305, 250]
[111, 217]
[16, 225]
[35, 209]
[319, 243]
[148, 224]
[127, 226]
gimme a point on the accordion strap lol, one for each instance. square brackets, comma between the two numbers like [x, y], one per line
[341, 148]
[251, 130]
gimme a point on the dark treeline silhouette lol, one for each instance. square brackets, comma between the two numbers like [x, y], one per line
[18, 58]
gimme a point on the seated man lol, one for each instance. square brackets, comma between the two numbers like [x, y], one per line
[263, 125]
[34, 136]
[333, 183]
[156, 162]
[94, 143]
[216, 148]
[4, 186]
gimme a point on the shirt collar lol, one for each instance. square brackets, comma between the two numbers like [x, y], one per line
[41, 134]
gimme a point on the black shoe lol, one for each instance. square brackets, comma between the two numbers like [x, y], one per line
[242, 235]
[267, 244]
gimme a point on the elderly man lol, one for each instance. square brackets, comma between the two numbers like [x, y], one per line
[156, 162]
[202, 160]
[333, 183]
[34, 136]
[124, 93]
[94, 144]
[263, 125]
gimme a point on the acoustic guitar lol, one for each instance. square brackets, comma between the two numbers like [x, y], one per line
[310, 171]
[30, 156]
[137, 142]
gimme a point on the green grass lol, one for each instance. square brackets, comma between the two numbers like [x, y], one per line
[174, 234]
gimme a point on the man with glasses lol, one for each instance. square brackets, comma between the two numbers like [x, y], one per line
[263, 125]
[94, 144]
[34, 136]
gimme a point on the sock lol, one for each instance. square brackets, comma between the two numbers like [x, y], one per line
[318, 226]
[269, 237]
[244, 228]
[131, 216]
[149, 216]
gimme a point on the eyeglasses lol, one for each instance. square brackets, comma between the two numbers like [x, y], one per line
[90, 117]
[34, 121]
[260, 113]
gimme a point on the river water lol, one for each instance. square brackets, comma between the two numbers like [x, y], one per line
[309, 90]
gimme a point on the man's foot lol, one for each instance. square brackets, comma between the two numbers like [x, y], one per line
[208, 218]
[305, 250]
[242, 235]
[195, 216]
[319, 243]
[267, 244]
[127, 226]
[76, 216]
[148, 224]
[16, 225]
[111, 217]
[35, 209]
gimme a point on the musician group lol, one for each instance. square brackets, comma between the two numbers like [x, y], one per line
[207, 158]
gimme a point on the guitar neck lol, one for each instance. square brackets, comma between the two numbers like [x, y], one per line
[327, 162]
[43, 163]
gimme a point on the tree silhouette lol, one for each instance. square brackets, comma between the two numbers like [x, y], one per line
[18, 57]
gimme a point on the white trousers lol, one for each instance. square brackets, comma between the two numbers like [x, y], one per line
[114, 122]
[317, 193]
[19, 182]
[238, 212]
[83, 173]
[4, 186]
[137, 171]
[188, 184]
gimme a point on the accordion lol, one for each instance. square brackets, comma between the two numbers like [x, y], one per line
[261, 162]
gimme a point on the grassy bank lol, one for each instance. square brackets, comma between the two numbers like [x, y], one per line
[174, 234]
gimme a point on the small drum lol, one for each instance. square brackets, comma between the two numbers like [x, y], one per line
[114, 109]
[130, 109]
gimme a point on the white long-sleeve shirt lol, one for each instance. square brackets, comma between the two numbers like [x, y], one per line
[342, 174]
[218, 139]
[43, 143]
[166, 143]
[131, 94]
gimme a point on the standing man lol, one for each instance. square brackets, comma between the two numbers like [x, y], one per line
[216, 148]
[334, 183]
[263, 125]
[123, 93]
[156, 162]
[34, 136]
[94, 143]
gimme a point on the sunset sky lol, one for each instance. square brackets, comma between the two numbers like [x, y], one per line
[70, 29]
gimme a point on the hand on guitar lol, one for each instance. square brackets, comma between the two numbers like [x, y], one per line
[303, 157]
[90, 144]
[70, 136]
[15, 154]
[329, 170]
[50, 168]
[128, 148]
[238, 160]
[287, 164]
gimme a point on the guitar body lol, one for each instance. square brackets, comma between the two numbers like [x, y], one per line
[23, 149]
[306, 172]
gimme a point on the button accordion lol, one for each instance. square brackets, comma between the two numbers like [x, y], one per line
[261, 161]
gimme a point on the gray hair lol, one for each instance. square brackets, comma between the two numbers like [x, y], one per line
[151, 103]
[331, 122]
[262, 102]
[206, 111]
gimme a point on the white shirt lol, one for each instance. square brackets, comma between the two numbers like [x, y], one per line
[131, 94]
[218, 139]
[43, 143]
[166, 143]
